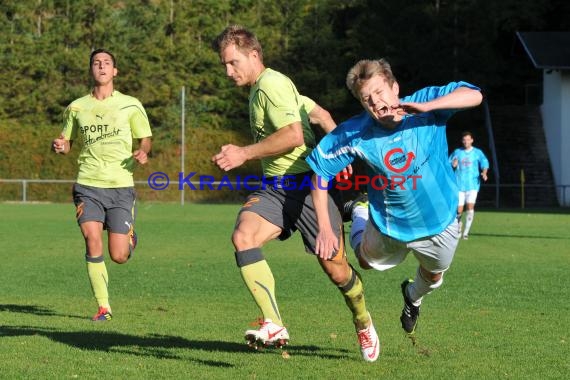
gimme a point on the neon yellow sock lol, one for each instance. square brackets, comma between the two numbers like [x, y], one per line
[261, 284]
[99, 279]
[354, 298]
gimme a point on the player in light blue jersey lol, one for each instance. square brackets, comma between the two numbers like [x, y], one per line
[412, 189]
[470, 166]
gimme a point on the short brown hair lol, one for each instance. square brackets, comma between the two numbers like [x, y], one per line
[244, 40]
[97, 51]
[366, 69]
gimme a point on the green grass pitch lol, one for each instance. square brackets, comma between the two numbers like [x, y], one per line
[180, 307]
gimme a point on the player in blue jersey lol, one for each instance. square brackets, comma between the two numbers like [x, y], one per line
[470, 166]
[412, 188]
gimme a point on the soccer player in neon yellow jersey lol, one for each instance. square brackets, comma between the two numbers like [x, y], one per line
[279, 118]
[106, 122]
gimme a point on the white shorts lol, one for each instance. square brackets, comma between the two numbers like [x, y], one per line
[434, 253]
[467, 197]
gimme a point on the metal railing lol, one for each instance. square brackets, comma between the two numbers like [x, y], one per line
[562, 191]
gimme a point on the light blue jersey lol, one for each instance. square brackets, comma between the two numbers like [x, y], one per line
[470, 164]
[413, 191]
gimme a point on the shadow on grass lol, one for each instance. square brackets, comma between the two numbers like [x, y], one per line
[158, 346]
[36, 310]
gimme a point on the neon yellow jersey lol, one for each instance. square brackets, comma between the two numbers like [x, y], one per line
[274, 103]
[106, 129]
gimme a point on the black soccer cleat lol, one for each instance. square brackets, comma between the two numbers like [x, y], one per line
[410, 313]
[348, 207]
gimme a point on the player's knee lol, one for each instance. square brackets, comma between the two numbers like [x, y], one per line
[351, 280]
[120, 259]
[436, 279]
[339, 274]
[430, 277]
[242, 240]
[119, 256]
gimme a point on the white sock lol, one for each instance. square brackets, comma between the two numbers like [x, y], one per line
[420, 287]
[359, 220]
[468, 221]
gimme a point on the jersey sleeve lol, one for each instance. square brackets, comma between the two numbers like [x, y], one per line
[331, 155]
[308, 104]
[140, 126]
[452, 156]
[483, 161]
[69, 130]
[282, 102]
[433, 92]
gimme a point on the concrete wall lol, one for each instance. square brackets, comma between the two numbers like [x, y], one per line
[556, 121]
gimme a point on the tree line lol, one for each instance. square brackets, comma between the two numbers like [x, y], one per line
[162, 45]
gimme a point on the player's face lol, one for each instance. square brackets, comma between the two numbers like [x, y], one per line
[467, 141]
[102, 68]
[239, 66]
[381, 100]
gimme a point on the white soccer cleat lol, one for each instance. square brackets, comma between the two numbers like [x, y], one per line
[268, 334]
[369, 343]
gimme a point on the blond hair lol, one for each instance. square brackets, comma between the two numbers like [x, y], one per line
[244, 40]
[366, 69]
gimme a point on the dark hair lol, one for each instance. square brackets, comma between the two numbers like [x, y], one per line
[244, 40]
[97, 51]
[467, 133]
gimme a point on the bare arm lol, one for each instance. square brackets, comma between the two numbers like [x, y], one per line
[60, 145]
[454, 162]
[322, 118]
[283, 140]
[326, 241]
[141, 154]
[484, 175]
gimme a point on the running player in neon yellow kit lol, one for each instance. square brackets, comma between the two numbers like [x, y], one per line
[106, 122]
[279, 119]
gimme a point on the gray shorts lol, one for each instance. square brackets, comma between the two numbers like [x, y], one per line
[115, 208]
[293, 210]
[434, 253]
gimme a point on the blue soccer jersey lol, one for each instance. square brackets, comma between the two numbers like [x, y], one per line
[412, 191]
[469, 166]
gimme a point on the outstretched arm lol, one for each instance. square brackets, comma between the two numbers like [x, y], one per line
[462, 97]
[283, 140]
